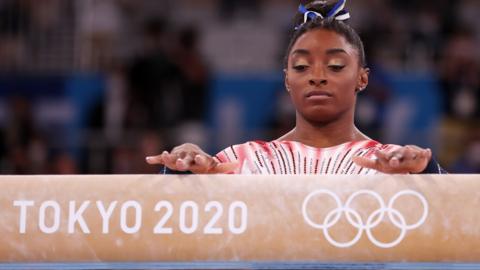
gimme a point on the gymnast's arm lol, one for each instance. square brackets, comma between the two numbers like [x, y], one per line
[409, 159]
[190, 158]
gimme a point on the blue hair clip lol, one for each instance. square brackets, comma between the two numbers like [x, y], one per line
[302, 9]
[308, 14]
[338, 12]
[339, 6]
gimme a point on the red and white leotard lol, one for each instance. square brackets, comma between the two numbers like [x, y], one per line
[289, 157]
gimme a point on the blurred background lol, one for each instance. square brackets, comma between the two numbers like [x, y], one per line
[93, 86]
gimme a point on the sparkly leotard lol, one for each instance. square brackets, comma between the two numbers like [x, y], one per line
[289, 157]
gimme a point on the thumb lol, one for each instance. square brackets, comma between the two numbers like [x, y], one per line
[207, 164]
[365, 162]
[228, 167]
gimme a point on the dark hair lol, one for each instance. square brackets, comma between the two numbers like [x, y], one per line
[331, 24]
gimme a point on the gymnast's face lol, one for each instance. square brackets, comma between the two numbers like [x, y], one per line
[323, 76]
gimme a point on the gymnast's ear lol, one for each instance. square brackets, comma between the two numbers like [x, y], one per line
[287, 85]
[362, 79]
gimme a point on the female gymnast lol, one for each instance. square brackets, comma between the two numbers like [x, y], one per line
[325, 69]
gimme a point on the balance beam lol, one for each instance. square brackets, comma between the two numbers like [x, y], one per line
[236, 218]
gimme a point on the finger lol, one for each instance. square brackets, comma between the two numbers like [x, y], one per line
[366, 162]
[420, 162]
[383, 160]
[228, 167]
[414, 147]
[424, 153]
[409, 164]
[207, 164]
[203, 164]
[428, 154]
[169, 160]
[154, 160]
[403, 160]
[414, 160]
[383, 155]
[389, 155]
[204, 161]
[185, 163]
[397, 159]
[415, 152]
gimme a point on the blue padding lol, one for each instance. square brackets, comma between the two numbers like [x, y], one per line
[242, 265]
[255, 98]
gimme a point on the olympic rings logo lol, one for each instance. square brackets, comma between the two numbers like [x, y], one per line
[375, 218]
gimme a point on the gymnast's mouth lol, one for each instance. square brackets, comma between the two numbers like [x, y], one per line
[318, 94]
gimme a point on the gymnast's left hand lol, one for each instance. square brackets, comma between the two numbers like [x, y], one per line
[403, 160]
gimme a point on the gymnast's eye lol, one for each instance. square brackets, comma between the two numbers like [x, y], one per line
[336, 68]
[336, 64]
[300, 67]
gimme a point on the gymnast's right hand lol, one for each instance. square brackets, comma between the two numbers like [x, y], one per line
[189, 157]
